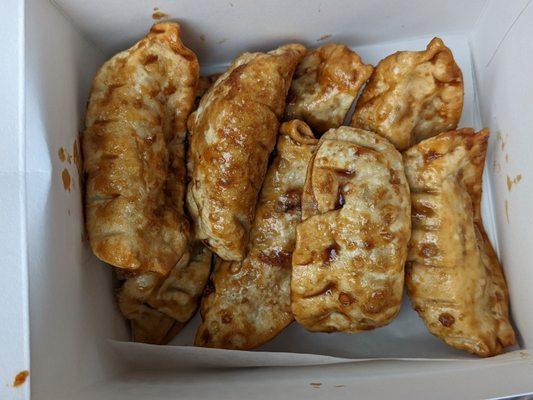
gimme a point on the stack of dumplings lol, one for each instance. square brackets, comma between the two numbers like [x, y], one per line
[242, 194]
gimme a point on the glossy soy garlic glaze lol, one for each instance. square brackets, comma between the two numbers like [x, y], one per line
[133, 149]
[248, 302]
[454, 279]
[324, 86]
[412, 95]
[351, 246]
[232, 134]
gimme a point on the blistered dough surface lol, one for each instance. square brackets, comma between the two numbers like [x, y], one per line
[324, 86]
[133, 149]
[412, 95]
[248, 302]
[232, 134]
[453, 276]
[351, 247]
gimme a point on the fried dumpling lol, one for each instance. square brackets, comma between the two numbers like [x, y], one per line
[324, 86]
[348, 262]
[133, 149]
[248, 302]
[453, 278]
[159, 307]
[232, 134]
[412, 95]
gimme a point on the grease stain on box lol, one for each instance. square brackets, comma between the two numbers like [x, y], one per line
[324, 37]
[507, 210]
[20, 378]
[513, 181]
[62, 154]
[67, 181]
[78, 161]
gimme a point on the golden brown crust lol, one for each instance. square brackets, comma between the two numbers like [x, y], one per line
[324, 86]
[133, 149]
[412, 95]
[179, 293]
[231, 136]
[248, 302]
[159, 307]
[147, 324]
[453, 276]
[351, 247]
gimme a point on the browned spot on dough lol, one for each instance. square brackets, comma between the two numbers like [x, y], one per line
[428, 250]
[151, 58]
[65, 176]
[376, 302]
[368, 244]
[394, 179]
[209, 288]
[276, 257]
[205, 336]
[169, 89]
[331, 252]
[20, 378]
[109, 93]
[420, 210]
[62, 155]
[345, 299]
[340, 198]
[431, 155]
[156, 29]
[225, 317]
[446, 319]
[290, 201]
[347, 173]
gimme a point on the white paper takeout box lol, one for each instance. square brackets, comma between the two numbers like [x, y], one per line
[58, 316]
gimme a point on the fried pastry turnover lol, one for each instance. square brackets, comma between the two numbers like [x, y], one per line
[248, 302]
[232, 134]
[453, 278]
[412, 95]
[159, 307]
[133, 149]
[348, 262]
[324, 86]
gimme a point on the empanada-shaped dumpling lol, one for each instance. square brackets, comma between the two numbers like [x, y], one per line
[412, 95]
[347, 266]
[231, 136]
[248, 302]
[159, 307]
[324, 86]
[453, 276]
[133, 149]
[148, 325]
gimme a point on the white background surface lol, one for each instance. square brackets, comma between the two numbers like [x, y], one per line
[14, 333]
